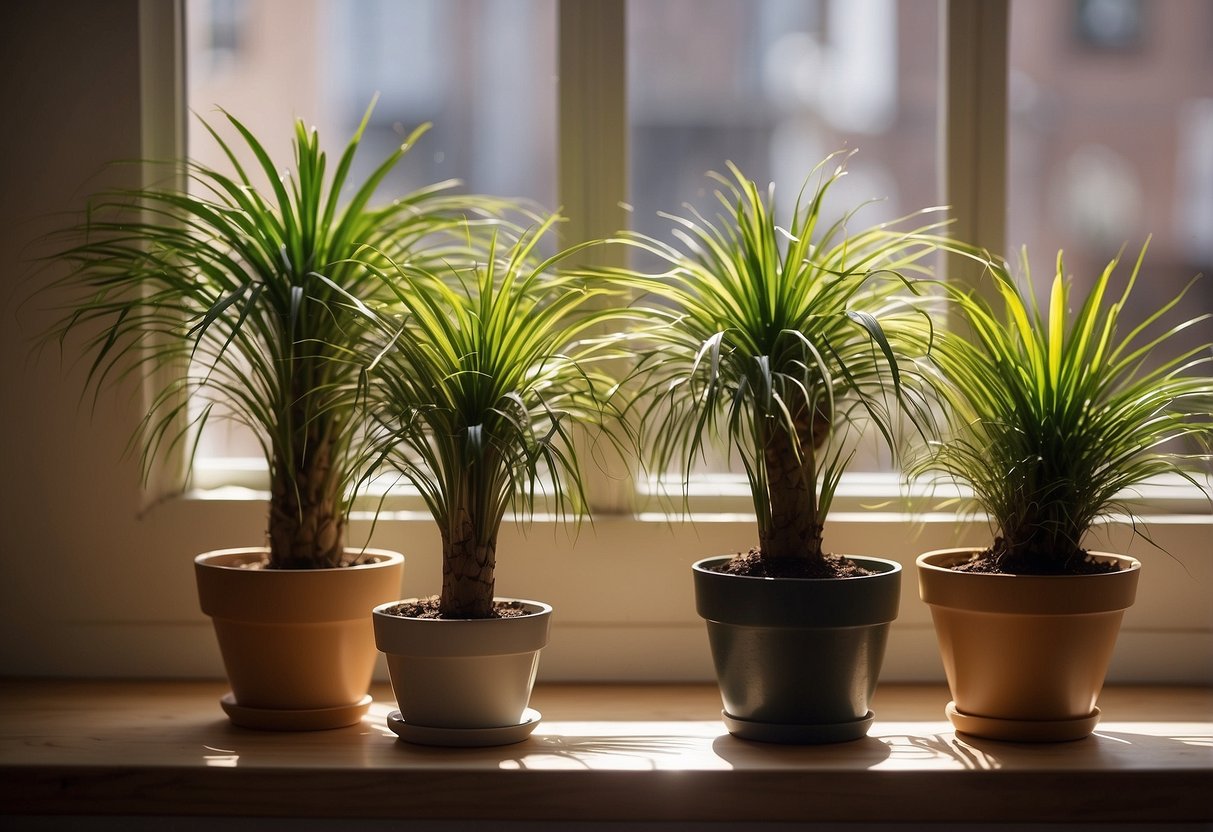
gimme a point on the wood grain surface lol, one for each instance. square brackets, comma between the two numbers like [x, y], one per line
[602, 752]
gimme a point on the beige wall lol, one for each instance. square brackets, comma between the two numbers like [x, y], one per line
[69, 93]
[79, 565]
[89, 587]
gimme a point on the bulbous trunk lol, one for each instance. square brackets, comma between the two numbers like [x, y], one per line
[467, 570]
[796, 526]
[307, 518]
[307, 523]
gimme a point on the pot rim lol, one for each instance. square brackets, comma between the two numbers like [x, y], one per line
[384, 557]
[701, 566]
[994, 593]
[831, 603]
[541, 609]
[398, 635]
[1128, 563]
[292, 596]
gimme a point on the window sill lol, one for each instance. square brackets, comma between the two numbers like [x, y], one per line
[603, 752]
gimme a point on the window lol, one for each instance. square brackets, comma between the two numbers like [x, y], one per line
[773, 86]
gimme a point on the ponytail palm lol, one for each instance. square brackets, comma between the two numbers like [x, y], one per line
[485, 375]
[225, 295]
[1057, 412]
[780, 339]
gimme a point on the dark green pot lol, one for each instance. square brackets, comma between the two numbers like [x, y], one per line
[797, 659]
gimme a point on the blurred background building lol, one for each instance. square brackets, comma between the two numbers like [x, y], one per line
[1111, 137]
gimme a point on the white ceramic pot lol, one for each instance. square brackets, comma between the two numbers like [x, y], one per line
[463, 674]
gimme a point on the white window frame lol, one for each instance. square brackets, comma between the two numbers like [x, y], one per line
[622, 587]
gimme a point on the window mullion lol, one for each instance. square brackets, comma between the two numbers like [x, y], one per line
[592, 176]
[974, 112]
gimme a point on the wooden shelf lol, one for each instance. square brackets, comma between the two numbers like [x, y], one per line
[611, 753]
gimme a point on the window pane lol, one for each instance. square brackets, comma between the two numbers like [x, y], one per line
[1111, 140]
[483, 71]
[775, 86]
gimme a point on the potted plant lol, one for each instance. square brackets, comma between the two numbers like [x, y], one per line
[1056, 414]
[222, 297]
[783, 341]
[477, 396]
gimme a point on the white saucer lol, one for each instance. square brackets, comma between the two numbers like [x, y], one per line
[464, 737]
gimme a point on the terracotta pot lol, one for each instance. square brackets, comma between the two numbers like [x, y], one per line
[297, 643]
[463, 676]
[797, 659]
[1025, 655]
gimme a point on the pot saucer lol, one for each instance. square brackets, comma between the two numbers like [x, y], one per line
[282, 719]
[1022, 730]
[464, 737]
[798, 734]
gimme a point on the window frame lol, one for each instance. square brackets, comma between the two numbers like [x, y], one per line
[592, 124]
[592, 187]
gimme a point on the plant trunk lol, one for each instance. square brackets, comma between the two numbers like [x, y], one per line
[307, 518]
[467, 570]
[1044, 535]
[307, 524]
[1039, 545]
[795, 528]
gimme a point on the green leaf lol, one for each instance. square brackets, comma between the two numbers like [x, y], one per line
[1048, 445]
[479, 375]
[764, 331]
[248, 296]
